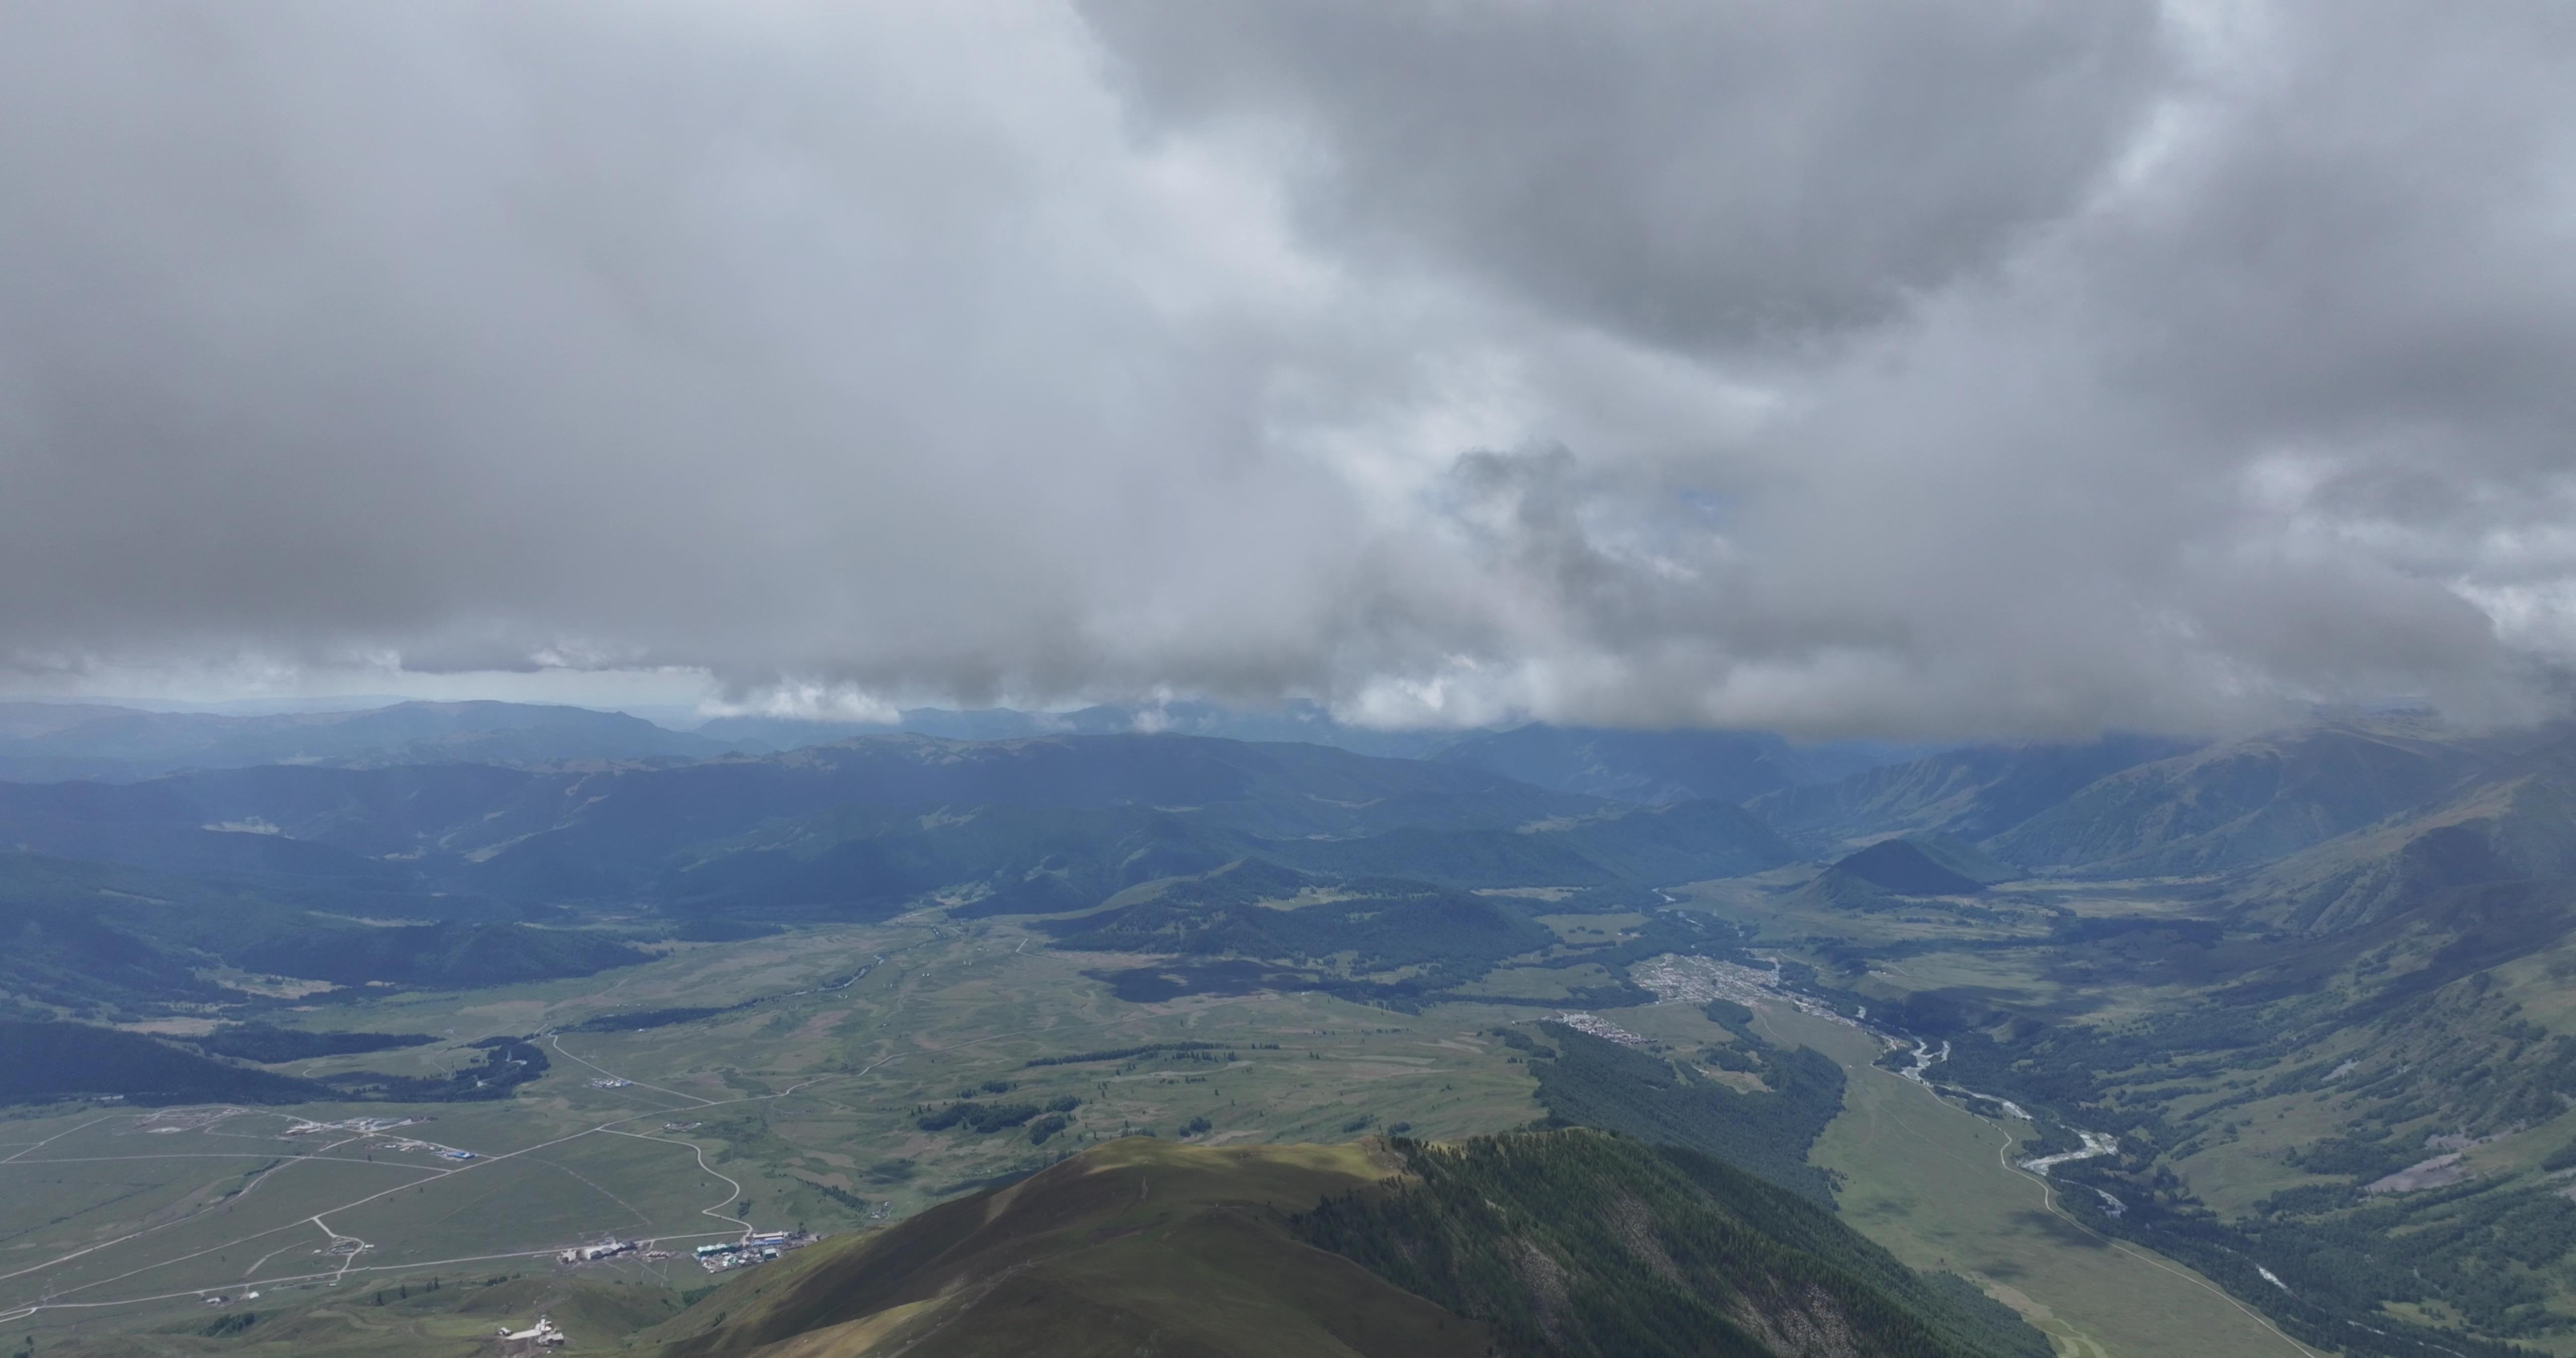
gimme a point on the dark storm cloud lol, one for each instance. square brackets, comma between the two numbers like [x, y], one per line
[1924, 368]
[1699, 173]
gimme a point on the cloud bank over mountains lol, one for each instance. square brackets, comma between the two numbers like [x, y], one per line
[1940, 368]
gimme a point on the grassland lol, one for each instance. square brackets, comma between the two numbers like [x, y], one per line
[2251, 1111]
[1934, 1184]
[803, 1107]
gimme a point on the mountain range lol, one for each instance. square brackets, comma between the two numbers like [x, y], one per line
[416, 872]
[428, 813]
[46, 741]
[49, 742]
[2347, 925]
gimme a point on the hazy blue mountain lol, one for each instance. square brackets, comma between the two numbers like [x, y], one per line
[1297, 722]
[23, 721]
[2245, 802]
[1651, 767]
[1902, 866]
[1034, 825]
[1679, 842]
[1897, 873]
[2513, 821]
[87, 936]
[885, 809]
[1970, 793]
[53, 741]
[1966, 859]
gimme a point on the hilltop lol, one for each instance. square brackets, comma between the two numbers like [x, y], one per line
[1397, 1248]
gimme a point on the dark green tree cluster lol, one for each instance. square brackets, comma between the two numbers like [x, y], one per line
[980, 1118]
[1124, 1053]
[269, 1045]
[1596, 1083]
[508, 1062]
[1452, 936]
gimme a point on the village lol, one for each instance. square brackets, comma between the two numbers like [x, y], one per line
[758, 1247]
[376, 1127]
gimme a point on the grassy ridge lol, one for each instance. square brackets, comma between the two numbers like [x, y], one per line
[1581, 1244]
[1569, 1243]
[1134, 1246]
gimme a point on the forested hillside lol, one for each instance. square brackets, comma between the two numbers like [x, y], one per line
[1585, 1245]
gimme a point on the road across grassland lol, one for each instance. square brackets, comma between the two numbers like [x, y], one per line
[69, 1298]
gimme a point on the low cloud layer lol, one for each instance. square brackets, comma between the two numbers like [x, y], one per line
[1924, 369]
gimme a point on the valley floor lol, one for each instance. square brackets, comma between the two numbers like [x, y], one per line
[808, 1110]
[1936, 1184]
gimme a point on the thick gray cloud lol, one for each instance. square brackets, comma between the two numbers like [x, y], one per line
[1699, 174]
[1924, 368]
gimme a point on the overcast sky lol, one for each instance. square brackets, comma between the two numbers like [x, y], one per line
[1930, 368]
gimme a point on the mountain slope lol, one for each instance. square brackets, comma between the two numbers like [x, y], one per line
[1632, 766]
[1906, 868]
[1582, 1244]
[2248, 802]
[1134, 1246]
[2516, 822]
[93, 939]
[872, 822]
[1139, 1246]
[1675, 842]
[1899, 874]
[1655, 767]
[43, 1061]
[1298, 722]
[1186, 803]
[1970, 793]
[53, 741]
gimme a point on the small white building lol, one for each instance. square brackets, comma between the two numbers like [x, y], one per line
[535, 1339]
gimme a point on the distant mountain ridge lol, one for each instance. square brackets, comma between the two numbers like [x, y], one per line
[47, 742]
[2327, 827]
[2246, 802]
[462, 855]
[482, 811]
[1971, 793]
[2515, 821]
[1300, 722]
[1652, 767]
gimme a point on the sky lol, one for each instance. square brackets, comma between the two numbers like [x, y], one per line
[1905, 369]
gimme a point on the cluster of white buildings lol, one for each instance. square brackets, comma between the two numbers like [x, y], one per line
[751, 1249]
[362, 1126]
[1599, 1027]
[610, 1249]
[586, 1254]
